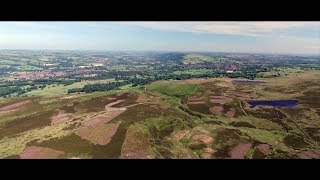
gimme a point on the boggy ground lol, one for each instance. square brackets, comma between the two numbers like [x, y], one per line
[197, 118]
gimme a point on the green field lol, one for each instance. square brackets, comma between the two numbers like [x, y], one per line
[60, 89]
[197, 58]
[172, 88]
[194, 72]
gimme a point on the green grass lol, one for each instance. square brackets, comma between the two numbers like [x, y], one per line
[199, 152]
[194, 72]
[185, 141]
[197, 58]
[281, 71]
[174, 88]
[128, 86]
[60, 89]
[174, 101]
[87, 96]
[271, 137]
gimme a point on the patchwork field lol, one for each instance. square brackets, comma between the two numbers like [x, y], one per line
[60, 89]
[194, 118]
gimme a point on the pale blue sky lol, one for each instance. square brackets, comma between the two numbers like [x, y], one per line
[246, 36]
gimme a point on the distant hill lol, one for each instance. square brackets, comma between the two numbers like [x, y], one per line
[198, 58]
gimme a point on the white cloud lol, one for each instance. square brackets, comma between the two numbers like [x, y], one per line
[231, 28]
[269, 36]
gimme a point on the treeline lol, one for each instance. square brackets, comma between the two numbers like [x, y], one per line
[140, 82]
[7, 91]
[11, 87]
[111, 85]
[185, 76]
[16, 83]
[98, 87]
[248, 75]
[143, 81]
[169, 57]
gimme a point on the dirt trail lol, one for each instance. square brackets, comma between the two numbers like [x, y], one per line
[196, 102]
[300, 128]
[115, 103]
[195, 98]
[243, 109]
[134, 105]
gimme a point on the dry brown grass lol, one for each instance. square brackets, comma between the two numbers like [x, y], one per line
[34, 152]
[99, 134]
[137, 143]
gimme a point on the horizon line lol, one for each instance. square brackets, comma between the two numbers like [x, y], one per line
[177, 51]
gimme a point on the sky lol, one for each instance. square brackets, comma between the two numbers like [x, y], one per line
[207, 36]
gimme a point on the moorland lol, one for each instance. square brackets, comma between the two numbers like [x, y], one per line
[145, 105]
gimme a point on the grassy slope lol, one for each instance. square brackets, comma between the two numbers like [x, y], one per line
[197, 58]
[172, 88]
[194, 72]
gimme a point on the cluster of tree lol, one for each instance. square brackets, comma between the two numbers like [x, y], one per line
[3, 71]
[310, 67]
[185, 76]
[140, 81]
[248, 75]
[4, 92]
[7, 91]
[10, 87]
[67, 63]
[74, 90]
[169, 57]
[16, 83]
[9, 84]
[98, 87]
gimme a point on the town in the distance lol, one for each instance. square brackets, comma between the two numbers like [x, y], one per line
[155, 105]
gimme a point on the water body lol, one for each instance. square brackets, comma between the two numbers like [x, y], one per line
[248, 82]
[274, 103]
